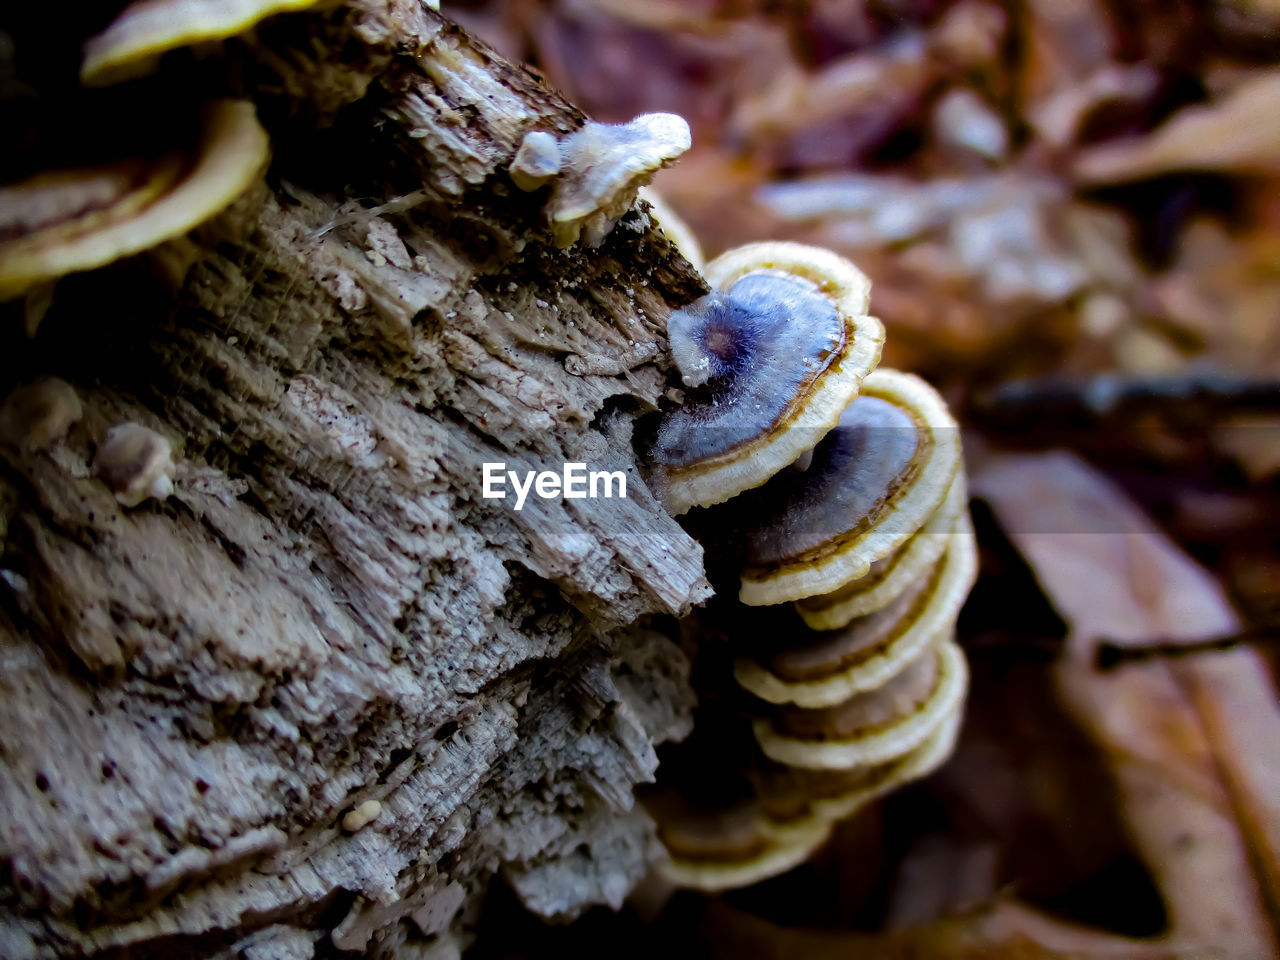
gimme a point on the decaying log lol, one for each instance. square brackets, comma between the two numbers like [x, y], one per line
[196, 691]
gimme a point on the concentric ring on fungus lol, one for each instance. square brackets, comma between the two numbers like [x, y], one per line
[781, 347]
[810, 795]
[146, 29]
[735, 848]
[919, 763]
[74, 220]
[871, 487]
[881, 738]
[868, 535]
[890, 575]
[827, 667]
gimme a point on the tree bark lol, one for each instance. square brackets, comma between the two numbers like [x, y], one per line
[195, 691]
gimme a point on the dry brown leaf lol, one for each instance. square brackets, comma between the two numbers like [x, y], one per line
[1224, 291]
[1253, 441]
[1238, 133]
[1103, 563]
[614, 67]
[1057, 116]
[1067, 41]
[1176, 804]
[969, 34]
[829, 116]
[969, 269]
[1195, 742]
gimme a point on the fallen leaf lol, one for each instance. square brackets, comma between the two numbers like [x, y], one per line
[1223, 290]
[1057, 117]
[1238, 133]
[1194, 742]
[1103, 563]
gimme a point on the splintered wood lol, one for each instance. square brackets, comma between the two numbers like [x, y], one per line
[325, 685]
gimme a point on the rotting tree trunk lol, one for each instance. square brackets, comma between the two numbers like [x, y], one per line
[194, 692]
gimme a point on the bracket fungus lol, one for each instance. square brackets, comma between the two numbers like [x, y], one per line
[72, 220]
[780, 349]
[822, 668]
[791, 794]
[136, 463]
[601, 168]
[782, 817]
[734, 845]
[146, 29]
[889, 576]
[874, 481]
[872, 727]
[856, 685]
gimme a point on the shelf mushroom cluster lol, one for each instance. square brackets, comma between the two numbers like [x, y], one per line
[80, 218]
[145, 30]
[849, 526]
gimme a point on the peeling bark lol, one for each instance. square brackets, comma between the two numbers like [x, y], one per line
[195, 691]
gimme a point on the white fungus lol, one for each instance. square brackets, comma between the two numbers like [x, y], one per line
[362, 815]
[136, 463]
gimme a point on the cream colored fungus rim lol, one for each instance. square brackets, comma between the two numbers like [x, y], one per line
[146, 29]
[905, 515]
[883, 744]
[721, 478]
[787, 849]
[915, 558]
[918, 764]
[233, 151]
[960, 567]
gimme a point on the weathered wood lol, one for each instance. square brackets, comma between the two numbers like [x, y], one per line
[194, 692]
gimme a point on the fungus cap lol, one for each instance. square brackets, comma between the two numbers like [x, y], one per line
[601, 168]
[116, 217]
[782, 350]
[873, 484]
[830, 666]
[789, 797]
[135, 462]
[900, 696]
[45, 218]
[887, 723]
[785, 796]
[135, 40]
[536, 161]
[792, 796]
[758, 850]
[919, 763]
[891, 575]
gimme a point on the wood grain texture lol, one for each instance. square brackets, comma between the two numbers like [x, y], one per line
[194, 692]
